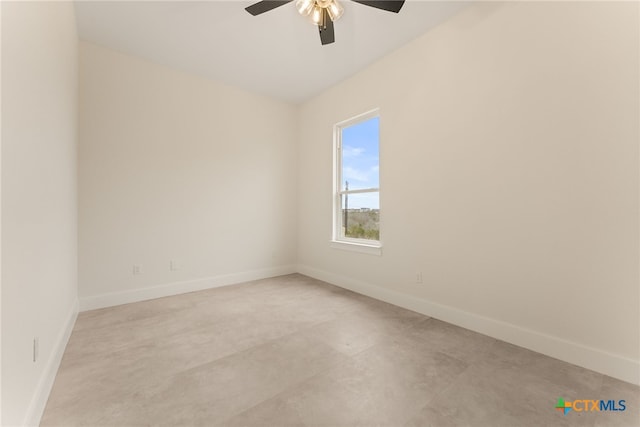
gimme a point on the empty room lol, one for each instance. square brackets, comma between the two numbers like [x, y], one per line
[320, 213]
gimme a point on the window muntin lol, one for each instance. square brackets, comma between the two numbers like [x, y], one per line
[357, 180]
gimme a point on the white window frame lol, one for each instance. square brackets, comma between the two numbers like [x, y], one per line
[339, 241]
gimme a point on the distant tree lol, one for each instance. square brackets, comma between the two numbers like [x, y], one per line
[364, 225]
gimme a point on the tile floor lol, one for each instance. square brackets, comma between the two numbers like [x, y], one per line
[296, 351]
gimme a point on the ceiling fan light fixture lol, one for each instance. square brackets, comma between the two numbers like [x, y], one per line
[335, 10]
[316, 16]
[305, 7]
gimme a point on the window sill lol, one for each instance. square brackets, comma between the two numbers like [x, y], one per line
[356, 247]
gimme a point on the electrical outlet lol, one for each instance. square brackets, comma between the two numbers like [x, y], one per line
[36, 349]
[175, 265]
[137, 269]
[419, 277]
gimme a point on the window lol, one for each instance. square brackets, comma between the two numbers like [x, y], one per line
[357, 181]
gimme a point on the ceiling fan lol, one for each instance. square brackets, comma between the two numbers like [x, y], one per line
[323, 12]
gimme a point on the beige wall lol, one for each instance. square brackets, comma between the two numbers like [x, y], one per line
[176, 167]
[39, 239]
[509, 177]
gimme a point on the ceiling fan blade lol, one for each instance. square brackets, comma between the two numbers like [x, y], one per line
[388, 5]
[327, 36]
[265, 6]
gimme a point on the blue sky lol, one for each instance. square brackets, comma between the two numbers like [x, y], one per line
[361, 161]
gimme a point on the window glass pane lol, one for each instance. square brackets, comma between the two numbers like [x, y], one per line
[360, 155]
[361, 215]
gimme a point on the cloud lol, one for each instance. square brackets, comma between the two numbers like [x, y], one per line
[351, 174]
[348, 151]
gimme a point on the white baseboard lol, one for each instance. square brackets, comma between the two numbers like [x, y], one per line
[616, 366]
[43, 389]
[176, 288]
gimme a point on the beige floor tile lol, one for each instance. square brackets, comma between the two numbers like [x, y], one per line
[457, 342]
[382, 386]
[570, 378]
[488, 396]
[211, 393]
[294, 351]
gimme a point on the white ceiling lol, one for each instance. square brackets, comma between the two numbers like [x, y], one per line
[277, 53]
